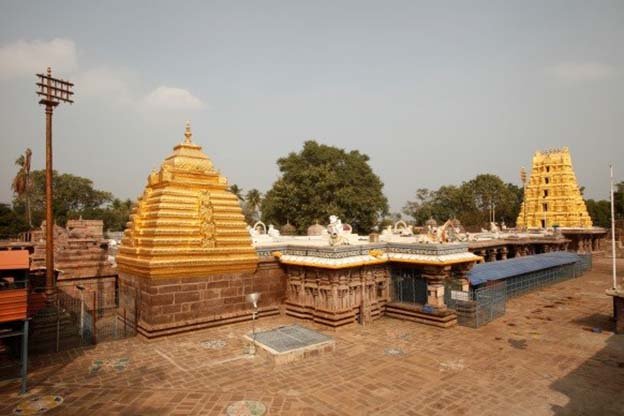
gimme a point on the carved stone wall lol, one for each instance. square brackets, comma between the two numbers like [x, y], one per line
[80, 250]
[337, 297]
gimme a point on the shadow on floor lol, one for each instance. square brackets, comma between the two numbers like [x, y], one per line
[596, 386]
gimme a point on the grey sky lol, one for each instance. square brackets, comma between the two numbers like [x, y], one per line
[433, 92]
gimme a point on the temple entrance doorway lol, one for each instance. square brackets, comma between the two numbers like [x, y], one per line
[409, 286]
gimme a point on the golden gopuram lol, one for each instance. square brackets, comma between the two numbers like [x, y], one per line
[186, 259]
[552, 196]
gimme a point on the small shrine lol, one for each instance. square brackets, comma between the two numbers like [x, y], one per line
[186, 258]
[186, 223]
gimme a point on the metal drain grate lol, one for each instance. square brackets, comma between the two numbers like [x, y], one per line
[290, 337]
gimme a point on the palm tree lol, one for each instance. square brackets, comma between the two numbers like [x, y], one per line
[236, 190]
[253, 200]
[22, 183]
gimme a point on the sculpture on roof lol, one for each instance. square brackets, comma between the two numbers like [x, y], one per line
[337, 234]
[273, 232]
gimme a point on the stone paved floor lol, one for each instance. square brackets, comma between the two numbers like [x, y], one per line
[541, 358]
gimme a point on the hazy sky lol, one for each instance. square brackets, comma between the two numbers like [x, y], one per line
[434, 92]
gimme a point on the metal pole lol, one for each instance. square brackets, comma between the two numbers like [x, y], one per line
[613, 230]
[24, 370]
[94, 320]
[49, 213]
[253, 329]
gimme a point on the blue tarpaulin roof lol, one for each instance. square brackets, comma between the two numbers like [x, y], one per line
[520, 265]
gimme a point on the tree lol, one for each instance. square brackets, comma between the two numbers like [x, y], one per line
[251, 206]
[321, 181]
[236, 190]
[115, 215]
[472, 202]
[73, 196]
[22, 183]
[11, 223]
[618, 200]
[600, 212]
[490, 191]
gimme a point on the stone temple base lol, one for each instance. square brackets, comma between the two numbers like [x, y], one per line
[291, 343]
[176, 305]
[441, 318]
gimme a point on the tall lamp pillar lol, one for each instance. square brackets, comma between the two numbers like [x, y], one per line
[53, 91]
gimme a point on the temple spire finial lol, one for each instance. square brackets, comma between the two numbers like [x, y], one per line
[187, 132]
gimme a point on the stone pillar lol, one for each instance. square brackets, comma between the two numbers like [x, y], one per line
[503, 253]
[435, 287]
[491, 255]
[461, 273]
[365, 306]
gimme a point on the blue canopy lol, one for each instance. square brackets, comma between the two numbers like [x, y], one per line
[503, 269]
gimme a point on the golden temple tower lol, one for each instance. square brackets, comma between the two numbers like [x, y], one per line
[552, 196]
[187, 223]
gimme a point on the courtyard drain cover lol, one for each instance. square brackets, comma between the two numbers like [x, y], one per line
[37, 405]
[213, 344]
[291, 337]
[246, 408]
[291, 343]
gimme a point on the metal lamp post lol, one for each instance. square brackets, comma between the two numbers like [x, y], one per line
[253, 298]
[53, 91]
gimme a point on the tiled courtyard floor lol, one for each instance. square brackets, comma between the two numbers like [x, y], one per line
[541, 358]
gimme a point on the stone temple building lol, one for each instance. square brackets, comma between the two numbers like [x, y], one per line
[186, 258]
[552, 196]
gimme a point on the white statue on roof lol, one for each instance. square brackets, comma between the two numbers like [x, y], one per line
[337, 234]
[273, 232]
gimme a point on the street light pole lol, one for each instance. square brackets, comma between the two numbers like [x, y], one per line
[53, 91]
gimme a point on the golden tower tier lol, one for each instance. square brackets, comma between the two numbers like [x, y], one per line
[187, 223]
[552, 196]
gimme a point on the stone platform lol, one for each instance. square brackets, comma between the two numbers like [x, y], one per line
[291, 343]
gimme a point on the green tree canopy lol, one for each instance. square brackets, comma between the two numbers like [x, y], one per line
[471, 202]
[600, 212]
[618, 200]
[73, 195]
[11, 223]
[323, 180]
